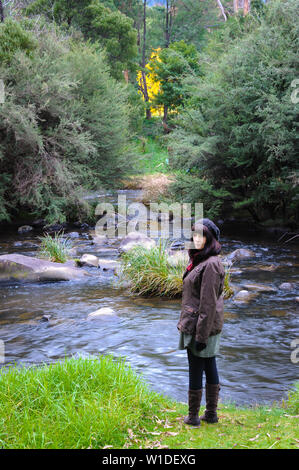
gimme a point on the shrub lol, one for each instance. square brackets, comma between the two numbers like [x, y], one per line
[63, 126]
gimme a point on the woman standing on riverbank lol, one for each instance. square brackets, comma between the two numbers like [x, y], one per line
[201, 319]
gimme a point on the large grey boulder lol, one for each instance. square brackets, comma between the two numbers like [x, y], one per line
[136, 238]
[21, 268]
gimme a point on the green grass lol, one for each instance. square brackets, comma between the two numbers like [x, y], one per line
[76, 403]
[150, 272]
[54, 248]
[153, 157]
[102, 403]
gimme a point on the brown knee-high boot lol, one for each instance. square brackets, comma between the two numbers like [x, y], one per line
[212, 394]
[194, 400]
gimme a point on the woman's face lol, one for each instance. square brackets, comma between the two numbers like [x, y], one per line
[199, 240]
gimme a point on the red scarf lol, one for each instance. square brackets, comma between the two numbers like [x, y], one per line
[191, 264]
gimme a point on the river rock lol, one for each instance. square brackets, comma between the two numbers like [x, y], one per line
[297, 299]
[244, 296]
[25, 229]
[55, 227]
[100, 239]
[89, 260]
[21, 268]
[45, 318]
[107, 264]
[239, 254]
[102, 312]
[259, 288]
[26, 244]
[136, 238]
[73, 235]
[288, 286]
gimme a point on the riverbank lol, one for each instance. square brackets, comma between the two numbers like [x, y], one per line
[102, 403]
[152, 188]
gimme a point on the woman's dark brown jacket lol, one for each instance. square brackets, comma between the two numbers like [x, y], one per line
[202, 300]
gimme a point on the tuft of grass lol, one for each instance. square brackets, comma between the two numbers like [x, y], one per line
[55, 248]
[151, 272]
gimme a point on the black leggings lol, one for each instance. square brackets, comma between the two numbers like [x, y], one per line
[196, 367]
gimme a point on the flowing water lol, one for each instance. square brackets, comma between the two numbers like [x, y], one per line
[255, 363]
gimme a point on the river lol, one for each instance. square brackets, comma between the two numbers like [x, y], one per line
[254, 362]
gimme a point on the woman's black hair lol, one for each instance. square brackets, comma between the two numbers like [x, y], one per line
[212, 246]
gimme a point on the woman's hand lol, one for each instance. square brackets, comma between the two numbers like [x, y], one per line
[200, 346]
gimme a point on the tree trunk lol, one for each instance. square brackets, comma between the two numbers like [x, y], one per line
[167, 25]
[246, 7]
[165, 115]
[236, 6]
[1, 12]
[145, 92]
[171, 11]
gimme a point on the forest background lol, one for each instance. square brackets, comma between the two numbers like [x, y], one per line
[94, 93]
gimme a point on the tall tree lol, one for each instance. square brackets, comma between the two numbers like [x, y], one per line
[170, 12]
[143, 84]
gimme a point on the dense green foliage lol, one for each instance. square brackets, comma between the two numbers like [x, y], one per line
[173, 64]
[235, 140]
[225, 87]
[64, 126]
[113, 30]
[14, 38]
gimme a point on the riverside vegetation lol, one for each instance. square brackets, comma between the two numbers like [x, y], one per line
[152, 271]
[101, 402]
[149, 271]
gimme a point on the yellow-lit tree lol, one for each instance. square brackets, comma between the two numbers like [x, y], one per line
[152, 85]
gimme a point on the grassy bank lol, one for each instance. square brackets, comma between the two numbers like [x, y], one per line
[102, 403]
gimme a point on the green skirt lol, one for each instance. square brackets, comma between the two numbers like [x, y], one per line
[212, 348]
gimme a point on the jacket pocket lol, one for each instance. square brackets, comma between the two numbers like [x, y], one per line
[188, 319]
